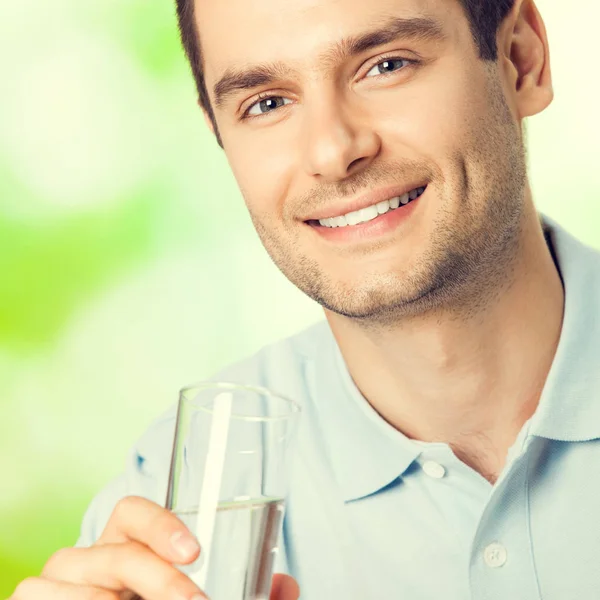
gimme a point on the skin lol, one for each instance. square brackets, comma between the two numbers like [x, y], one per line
[133, 558]
[448, 324]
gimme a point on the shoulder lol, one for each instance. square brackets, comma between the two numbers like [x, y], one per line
[280, 366]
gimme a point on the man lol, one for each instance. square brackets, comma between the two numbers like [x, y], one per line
[451, 399]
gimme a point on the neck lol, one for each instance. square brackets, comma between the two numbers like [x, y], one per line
[470, 382]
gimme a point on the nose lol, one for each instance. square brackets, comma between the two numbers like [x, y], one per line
[339, 141]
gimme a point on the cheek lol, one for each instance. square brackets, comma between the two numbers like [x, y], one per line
[263, 177]
[435, 116]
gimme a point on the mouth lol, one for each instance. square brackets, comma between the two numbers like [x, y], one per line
[371, 213]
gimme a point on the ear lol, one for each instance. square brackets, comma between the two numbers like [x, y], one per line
[525, 57]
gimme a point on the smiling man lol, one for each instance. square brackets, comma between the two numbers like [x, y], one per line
[451, 400]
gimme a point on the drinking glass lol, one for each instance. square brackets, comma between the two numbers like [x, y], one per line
[228, 483]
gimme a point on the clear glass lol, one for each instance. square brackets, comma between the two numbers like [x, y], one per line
[228, 483]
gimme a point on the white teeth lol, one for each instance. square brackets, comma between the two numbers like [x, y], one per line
[368, 214]
[353, 218]
[372, 212]
[383, 207]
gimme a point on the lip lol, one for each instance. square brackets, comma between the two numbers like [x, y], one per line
[383, 227]
[364, 201]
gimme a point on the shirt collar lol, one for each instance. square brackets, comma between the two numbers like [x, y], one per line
[569, 407]
[367, 453]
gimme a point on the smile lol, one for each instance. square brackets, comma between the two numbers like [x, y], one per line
[371, 212]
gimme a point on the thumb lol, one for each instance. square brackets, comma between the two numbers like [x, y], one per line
[284, 588]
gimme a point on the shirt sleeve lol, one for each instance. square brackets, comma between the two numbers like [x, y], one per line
[147, 466]
[145, 475]
[99, 510]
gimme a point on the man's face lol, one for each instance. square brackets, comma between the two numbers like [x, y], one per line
[418, 111]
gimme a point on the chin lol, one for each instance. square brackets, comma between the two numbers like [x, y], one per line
[353, 300]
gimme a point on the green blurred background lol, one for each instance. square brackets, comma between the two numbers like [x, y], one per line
[128, 264]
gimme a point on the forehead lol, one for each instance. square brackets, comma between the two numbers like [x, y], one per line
[238, 32]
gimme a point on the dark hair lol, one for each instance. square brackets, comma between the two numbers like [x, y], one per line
[485, 17]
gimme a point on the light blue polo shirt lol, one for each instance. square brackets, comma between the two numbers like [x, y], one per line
[374, 515]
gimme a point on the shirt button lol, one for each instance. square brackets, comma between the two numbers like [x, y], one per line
[434, 469]
[495, 555]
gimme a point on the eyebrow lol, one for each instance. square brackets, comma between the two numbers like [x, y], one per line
[395, 28]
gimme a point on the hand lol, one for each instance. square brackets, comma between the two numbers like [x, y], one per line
[134, 556]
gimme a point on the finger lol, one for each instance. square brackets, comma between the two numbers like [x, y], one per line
[36, 588]
[284, 588]
[122, 567]
[141, 520]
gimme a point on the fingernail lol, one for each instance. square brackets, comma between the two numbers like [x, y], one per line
[185, 545]
[194, 597]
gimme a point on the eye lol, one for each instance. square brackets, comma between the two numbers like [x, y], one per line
[391, 65]
[269, 103]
